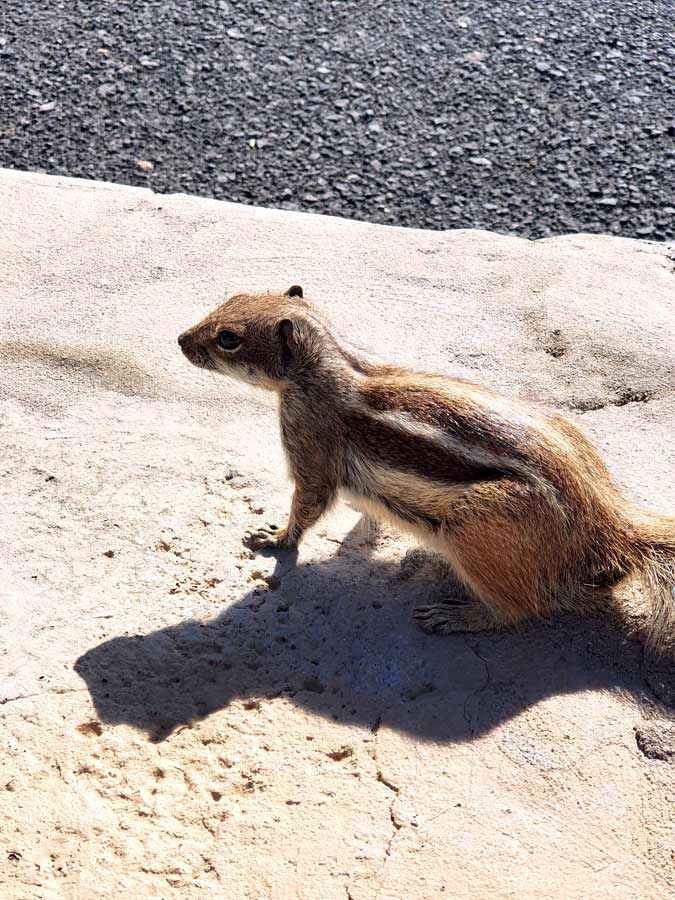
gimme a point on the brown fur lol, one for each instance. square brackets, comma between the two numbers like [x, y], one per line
[519, 502]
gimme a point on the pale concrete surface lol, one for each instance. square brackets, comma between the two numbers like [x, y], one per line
[175, 725]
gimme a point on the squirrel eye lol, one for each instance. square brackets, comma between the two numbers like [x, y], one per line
[228, 340]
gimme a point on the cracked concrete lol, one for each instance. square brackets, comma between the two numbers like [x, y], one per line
[183, 719]
[5, 700]
[479, 690]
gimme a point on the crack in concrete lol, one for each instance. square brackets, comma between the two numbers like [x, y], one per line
[382, 779]
[397, 825]
[479, 690]
[387, 855]
[42, 694]
[387, 783]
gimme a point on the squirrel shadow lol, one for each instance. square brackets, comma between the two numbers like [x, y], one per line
[337, 638]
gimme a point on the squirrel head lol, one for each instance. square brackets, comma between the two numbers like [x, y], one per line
[267, 340]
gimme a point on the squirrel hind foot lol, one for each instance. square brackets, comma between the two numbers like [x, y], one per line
[456, 616]
[270, 538]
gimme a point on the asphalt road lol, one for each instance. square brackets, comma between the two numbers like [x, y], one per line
[529, 117]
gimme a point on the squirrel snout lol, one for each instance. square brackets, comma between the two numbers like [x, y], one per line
[192, 351]
[185, 341]
[187, 345]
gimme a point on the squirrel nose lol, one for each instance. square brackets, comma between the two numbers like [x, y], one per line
[182, 340]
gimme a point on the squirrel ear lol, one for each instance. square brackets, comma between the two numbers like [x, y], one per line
[294, 291]
[286, 333]
[293, 337]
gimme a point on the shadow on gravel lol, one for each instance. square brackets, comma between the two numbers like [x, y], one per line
[337, 639]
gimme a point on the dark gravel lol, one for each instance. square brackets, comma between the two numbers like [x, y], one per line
[528, 117]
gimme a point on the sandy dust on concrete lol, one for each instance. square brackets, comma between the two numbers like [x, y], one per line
[181, 718]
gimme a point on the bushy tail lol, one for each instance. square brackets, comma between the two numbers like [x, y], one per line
[654, 543]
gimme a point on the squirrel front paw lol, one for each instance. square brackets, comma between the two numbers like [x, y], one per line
[269, 538]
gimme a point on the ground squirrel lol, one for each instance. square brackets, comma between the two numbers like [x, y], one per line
[518, 501]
